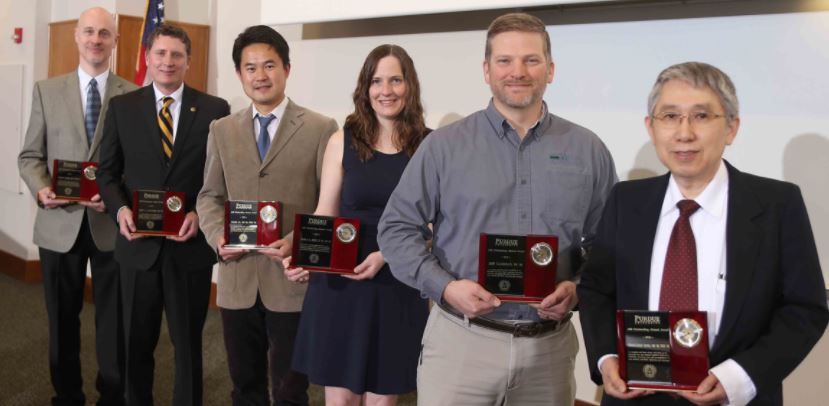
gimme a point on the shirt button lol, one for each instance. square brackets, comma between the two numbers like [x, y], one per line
[523, 181]
[523, 215]
[263, 174]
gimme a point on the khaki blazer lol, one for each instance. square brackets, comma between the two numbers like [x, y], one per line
[290, 173]
[57, 131]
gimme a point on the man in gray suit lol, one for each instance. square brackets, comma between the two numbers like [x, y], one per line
[272, 150]
[66, 124]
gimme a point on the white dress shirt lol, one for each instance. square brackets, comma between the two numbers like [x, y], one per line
[709, 227]
[84, 79]
[277, 112]
[175, 108]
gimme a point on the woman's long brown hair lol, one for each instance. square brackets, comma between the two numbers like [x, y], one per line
[408, 124]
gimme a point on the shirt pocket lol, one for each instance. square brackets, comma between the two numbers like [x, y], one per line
[565, 195]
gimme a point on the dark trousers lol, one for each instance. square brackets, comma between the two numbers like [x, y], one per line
[256, 339]
[64, 277]
[184, 296]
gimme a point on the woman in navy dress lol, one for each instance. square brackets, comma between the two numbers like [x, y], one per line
[359, 335]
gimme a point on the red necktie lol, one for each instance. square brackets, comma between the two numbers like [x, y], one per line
[679, 278]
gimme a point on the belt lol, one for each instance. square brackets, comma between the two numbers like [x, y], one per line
[517, 330]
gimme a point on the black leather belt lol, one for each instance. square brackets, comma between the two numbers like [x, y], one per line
[517, 330]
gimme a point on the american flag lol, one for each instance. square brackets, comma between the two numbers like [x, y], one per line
[152, 18]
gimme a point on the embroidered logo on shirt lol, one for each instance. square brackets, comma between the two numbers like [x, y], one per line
[558, 157]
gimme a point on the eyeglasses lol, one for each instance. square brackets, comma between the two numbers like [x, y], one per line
[672, 120]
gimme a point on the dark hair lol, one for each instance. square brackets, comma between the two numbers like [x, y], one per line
[260, 34]
[363, 123]
[168, 30]
[520, 22]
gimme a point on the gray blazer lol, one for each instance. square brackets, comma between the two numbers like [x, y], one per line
[290, 173]
[57, 131]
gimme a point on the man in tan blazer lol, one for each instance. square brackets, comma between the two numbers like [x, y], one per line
[272, 150]
[66, 123]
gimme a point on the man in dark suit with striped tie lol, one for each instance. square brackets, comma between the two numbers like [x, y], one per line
[155, 138]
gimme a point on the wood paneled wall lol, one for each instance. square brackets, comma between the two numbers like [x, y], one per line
[63, 53]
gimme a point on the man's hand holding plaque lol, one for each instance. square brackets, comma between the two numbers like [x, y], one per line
[189, 228]
[252, 225]
[160, 213]
[559, 304]
[662, 350]
[325, 244]
[74, 181]
[518, 268]
[49, 200]
[470, 298]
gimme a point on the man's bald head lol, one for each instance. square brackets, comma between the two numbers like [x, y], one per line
[96, 37]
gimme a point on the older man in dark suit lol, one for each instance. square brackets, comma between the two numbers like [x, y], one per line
[155, 138]
[66, 123]
[705, 237]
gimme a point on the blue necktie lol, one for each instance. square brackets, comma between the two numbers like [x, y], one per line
[93, 110]
[264, 140]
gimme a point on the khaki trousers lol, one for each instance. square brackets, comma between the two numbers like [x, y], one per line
[464, 364]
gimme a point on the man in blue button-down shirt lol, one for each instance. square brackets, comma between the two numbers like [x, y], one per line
[512, 168]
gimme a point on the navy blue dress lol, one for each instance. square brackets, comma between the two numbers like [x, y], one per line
[362, 335]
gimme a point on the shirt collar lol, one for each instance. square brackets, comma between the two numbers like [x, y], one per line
[500, 124]
[175, 95]
[84, 78]
[712, 199]
[277, 112]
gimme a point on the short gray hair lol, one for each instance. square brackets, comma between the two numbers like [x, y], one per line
[699, 75]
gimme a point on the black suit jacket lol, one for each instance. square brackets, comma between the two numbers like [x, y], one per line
[775, 304]
[132, 158]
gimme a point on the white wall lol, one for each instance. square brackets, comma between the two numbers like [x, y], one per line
[275, 12]
[63, 10]
[231, 19]
[17, 214]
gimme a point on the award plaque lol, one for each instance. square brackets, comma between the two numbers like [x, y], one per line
[518, 268]
[157, 213]
[252, 225]
[325, 244]
[73, 180]
[661, 350]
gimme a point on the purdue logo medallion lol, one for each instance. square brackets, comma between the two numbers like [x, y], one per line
[649, 370]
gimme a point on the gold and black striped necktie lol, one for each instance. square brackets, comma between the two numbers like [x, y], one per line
[165, 123]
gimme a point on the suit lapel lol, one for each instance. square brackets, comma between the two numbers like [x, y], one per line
[246, 138]
[114, 87]
[153, 134]
[71, 98]
[187, 113]
[742, 236]
[646, 215]
[288, 126]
